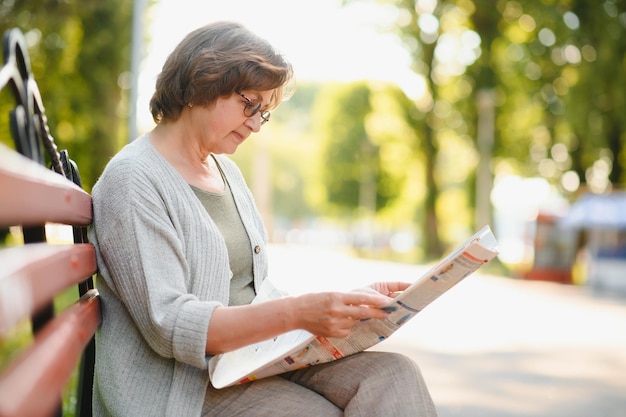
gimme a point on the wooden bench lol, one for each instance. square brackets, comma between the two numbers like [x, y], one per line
[33, 274]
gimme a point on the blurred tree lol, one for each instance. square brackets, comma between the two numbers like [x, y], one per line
[80, 53]
[482, 111]
[421, 41]
[366, 153]
[561, 86]
[597, 82]
[389, 128]
[347, 151]
[551, 73]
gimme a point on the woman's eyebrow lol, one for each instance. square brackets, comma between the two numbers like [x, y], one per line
[257, 98]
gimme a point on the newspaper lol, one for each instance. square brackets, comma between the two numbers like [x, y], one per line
[299, 348]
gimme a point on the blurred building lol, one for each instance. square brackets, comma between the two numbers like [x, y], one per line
[599, 224]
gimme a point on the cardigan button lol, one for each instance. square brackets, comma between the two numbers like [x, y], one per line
[257, 249]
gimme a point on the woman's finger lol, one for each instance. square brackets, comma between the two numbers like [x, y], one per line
[365, 298]
[362, 312]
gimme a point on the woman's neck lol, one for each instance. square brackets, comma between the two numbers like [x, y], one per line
[186, 155]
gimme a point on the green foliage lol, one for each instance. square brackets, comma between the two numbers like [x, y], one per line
[21, 337]
[348, 153]
[291, 161]
[79, 51]
[365, 145]
[558, 71]
[281, 160]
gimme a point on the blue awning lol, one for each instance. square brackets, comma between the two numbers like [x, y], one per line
[597, 211]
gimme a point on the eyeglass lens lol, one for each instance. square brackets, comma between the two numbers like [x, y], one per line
[250, 109]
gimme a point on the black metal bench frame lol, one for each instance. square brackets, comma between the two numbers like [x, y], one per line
[32, 195]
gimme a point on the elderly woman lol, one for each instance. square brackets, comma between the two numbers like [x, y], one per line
[182, 251]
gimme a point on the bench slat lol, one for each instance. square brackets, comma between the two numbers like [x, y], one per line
[34, 195]
[32, 275]
[31, 386]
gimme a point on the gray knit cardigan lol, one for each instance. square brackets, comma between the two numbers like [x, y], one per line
[163, 269]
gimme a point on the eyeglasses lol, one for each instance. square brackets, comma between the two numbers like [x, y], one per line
[251, 108]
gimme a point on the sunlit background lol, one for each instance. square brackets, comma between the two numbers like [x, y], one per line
[328, 41]
[414, 123]
[322, 40]
[543, 332]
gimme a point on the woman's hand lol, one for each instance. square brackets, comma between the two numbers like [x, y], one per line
[333, 314]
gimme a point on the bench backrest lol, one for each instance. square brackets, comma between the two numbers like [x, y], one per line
[33, 274]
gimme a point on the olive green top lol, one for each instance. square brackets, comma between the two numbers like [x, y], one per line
[221, 207]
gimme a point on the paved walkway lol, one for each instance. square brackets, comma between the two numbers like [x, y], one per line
[493, 346]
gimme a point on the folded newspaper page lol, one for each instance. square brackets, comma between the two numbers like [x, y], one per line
[299, 348]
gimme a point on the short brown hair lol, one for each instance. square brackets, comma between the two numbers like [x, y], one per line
[215, 61]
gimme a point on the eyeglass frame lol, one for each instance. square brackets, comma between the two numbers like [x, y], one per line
[265, 115]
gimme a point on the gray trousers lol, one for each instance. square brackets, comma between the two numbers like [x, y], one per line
[366, 384]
